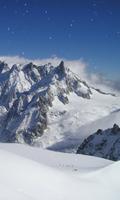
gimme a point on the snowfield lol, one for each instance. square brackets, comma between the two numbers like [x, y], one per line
[32, 173]
[69, 125]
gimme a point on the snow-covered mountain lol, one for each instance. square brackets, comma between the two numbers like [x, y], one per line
[27, 92]
[101, 140]
[47, 105]
[51, 107]
[103, 143]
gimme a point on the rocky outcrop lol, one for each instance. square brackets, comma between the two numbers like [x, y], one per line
[103, 143]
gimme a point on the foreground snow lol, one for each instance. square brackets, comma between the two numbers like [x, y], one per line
[31, 173]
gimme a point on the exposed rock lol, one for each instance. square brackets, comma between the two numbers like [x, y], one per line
[105, 144]
[3, 66]
[115, 129]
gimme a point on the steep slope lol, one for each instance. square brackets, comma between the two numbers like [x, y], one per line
[47, 99]
[28, 173]
[105, 144]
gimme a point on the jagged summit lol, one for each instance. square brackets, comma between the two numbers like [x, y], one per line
[61, 70]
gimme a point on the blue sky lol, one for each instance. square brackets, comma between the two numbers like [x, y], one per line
[70, 29]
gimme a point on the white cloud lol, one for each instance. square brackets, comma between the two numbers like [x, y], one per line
[102, 82]
[11, 60]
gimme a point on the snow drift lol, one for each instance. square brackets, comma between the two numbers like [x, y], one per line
[68, 177]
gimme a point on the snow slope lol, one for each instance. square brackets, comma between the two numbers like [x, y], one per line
[27, 173]
[82, 118]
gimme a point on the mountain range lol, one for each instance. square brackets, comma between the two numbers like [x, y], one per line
[50, 106]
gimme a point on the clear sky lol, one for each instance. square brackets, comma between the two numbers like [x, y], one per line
[72, 29]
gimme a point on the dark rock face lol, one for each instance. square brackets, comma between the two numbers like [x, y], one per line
[105, 144]
[3, 65]
[26, 94]
[31, 72]
[61, 71]
[63, 98]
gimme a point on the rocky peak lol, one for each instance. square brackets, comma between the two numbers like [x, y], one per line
[115, 129]
[103, 143]
[31, 72]
[61, 70]
[3, 66]
[62, 66]
[29, 67]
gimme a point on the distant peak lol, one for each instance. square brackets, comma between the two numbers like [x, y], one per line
[61, 68]
[29, 67]
[2, 66]
[62, 64]
[115, 128]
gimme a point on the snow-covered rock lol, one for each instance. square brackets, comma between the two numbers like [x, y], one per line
[103, 143]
